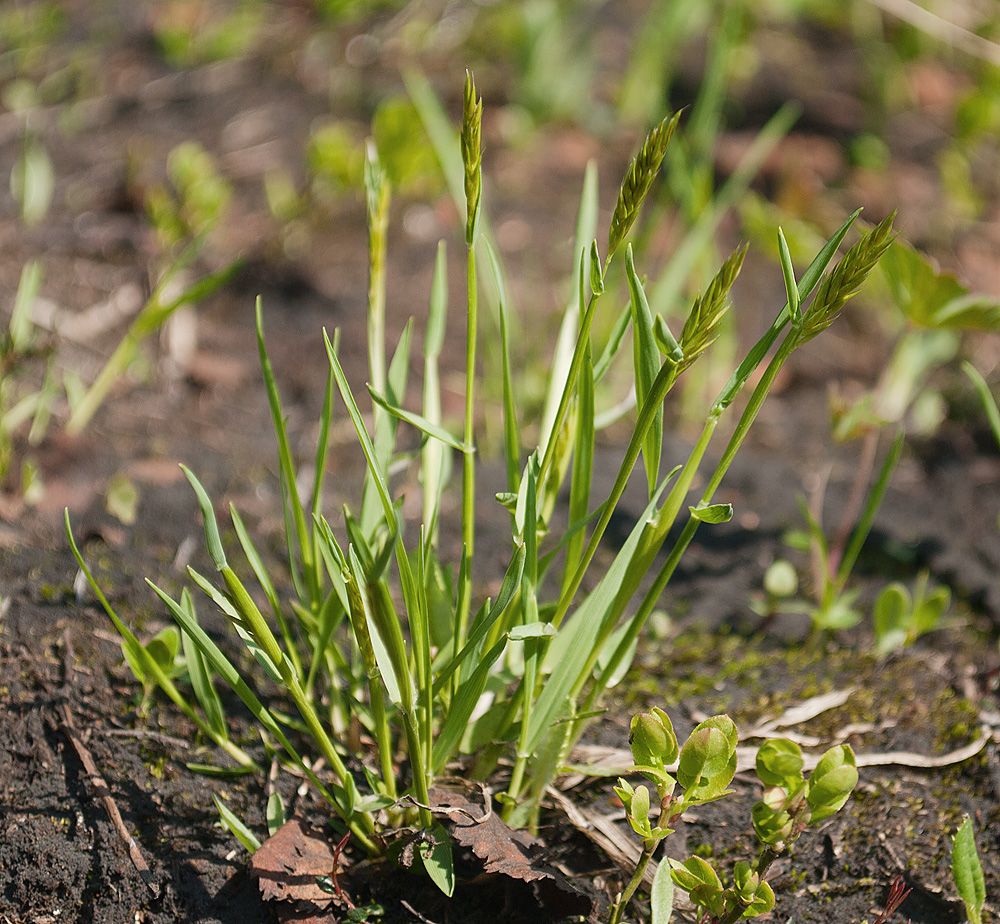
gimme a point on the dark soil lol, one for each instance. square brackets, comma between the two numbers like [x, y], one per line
[62, 679]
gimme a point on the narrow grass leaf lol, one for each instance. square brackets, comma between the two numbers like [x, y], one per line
[359, 428]
[424, 425]
[583, 468]
[578, 639]
[875, 496]
[810, 279]
[235, 826]
[275, 813]
[646, 359]
[463, 704]
[509, 589]
[226, 605]
[788, 273]
[212, 537]
[148, 664]
[433, 463]
[343, 797]
[611, 348]
[986, 397]
[21, 325]
[201, 680]
[511, 433]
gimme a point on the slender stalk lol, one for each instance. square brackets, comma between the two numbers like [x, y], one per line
[468, 456]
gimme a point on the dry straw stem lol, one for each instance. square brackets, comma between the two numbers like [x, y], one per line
[702, 325]
[846, 279]
[472, 155]
[638, 178]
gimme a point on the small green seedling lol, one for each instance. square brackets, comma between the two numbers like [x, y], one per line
[705, 766]
[967, 872]
[900, 619]
[184, 217]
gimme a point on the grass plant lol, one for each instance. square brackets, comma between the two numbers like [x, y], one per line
[382, 636]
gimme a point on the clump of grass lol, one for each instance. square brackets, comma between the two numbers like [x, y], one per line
[380, 632]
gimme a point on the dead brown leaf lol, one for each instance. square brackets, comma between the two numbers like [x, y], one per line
[288, 863]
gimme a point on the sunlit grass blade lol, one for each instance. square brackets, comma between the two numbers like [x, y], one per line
[665, 292]
[583, 470]
[511, 433]
[810, 279]
[201, 681]
[867, 518]
[579, 638]
[480, 628]
[434, 460]
[286, 464]
[559, 370]
[463, 704]
[149, 665]
[424, 425]
[646, 361]
[235, 826]
[267, 585]
[153, 315]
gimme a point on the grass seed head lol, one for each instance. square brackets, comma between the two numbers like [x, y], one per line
[846, 279]
[702, 325]
[472, 155]
[638, 178]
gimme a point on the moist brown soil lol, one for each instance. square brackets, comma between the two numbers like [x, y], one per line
[62, 679]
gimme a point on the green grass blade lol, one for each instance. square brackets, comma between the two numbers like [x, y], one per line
[614, 343]
[509, 590]
[810, 279]
[511, 434]
[359, 428]
[201, 681]
[148, 664]
[235, 826]
[267, 585]
[286, 463]
[875, 496]
[579, 638]
[583, 468]
[986, 397]
[463, 704]
[433, 462]
[425, 426]
[342, 797]
[646, 362]
[212, 537]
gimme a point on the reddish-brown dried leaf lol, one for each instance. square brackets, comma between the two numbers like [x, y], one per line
[288, 863]
[515, 854]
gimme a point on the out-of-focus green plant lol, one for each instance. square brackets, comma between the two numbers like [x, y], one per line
[184, 216]
[23, 403]
[32, 180]
[900, 618]
[193, 32]
[703, 768]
